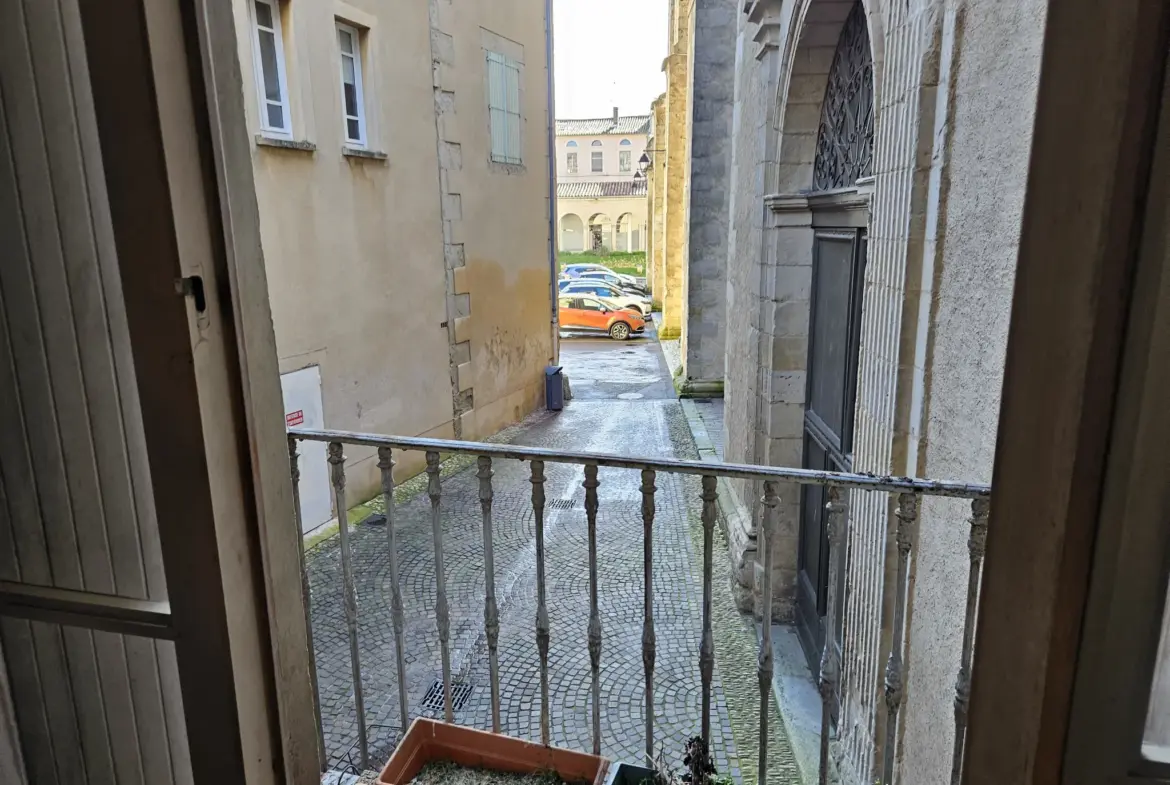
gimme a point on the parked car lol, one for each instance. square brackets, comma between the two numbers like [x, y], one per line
[608, 294]
[615, 279]
[575, 271]
[588, 314]
[623, 291]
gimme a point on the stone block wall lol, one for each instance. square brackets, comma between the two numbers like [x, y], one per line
[950, 163]
[656, 186]
[712, 76]
[677, 151]
[754, 93]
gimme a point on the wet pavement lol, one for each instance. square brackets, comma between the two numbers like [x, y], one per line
[603, 369]
[623, 403]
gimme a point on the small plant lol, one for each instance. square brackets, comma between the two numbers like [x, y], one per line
[663, 773]
[700, 769]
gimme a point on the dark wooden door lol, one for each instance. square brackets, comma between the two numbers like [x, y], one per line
[838, 273]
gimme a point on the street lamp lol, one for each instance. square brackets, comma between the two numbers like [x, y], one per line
[644, 163]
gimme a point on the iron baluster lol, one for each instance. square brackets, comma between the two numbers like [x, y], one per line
[337, 463]
[491, 614]
[542, 625]
[907, 516]
[442, 613]
[397, 617]
[976, 548]
[649, 640]
[591, 484]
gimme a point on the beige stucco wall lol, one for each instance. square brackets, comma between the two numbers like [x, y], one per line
[997, 49]
[504, 216]
[358, 250]
[348, 254]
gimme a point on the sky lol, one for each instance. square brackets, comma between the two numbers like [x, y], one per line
[608, 53]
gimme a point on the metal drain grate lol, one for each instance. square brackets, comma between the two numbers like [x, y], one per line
[433, 700]
[561, 504]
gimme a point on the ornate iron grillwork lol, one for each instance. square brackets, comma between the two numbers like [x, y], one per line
[845, 136]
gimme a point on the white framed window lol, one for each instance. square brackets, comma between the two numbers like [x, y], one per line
[571, 163]
[597, 161]
[625, 161]
[353, 102]
[504, 108]
[268, 60]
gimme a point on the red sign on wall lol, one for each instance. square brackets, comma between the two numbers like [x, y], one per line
[294, 418]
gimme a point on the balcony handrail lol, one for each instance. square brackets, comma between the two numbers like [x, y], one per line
[742, 471]
[906, 491]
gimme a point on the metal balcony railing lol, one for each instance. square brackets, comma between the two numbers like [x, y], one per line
[908, 493]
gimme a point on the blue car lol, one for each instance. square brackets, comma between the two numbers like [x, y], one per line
[575, 270]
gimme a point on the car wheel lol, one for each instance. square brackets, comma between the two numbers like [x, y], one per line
[619, 331]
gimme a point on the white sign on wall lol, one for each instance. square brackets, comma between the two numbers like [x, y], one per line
[303, 409]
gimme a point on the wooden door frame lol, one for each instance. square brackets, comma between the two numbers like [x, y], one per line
[1125, 609]
[1069, 312]
[165, 78]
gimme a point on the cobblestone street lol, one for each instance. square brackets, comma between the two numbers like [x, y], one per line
[629, 409]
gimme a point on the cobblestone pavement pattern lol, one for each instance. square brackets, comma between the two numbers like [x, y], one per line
[651, 424]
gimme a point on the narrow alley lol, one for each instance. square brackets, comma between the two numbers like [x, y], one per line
[623, 403]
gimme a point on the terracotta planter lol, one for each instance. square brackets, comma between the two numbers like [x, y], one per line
[430, 740]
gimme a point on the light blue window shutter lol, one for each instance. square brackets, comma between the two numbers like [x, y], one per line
[497, 105]
[512, 72]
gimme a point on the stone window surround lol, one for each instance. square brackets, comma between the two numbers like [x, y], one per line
[793, 219]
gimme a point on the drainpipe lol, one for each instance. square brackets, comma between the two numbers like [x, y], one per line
[552, 185]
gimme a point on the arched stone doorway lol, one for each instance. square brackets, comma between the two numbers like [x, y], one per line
[831, 198]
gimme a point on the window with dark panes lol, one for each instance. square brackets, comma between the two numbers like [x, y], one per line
[352, 100]
[268, 63]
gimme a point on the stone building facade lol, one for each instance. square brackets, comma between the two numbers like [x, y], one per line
[601, 190]
[692, 126]
[875, 169]
[387, 142]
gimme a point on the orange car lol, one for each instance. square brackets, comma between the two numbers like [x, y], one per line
[586, 314]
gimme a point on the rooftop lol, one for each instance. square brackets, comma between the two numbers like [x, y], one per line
[629, 124]
[601, 190]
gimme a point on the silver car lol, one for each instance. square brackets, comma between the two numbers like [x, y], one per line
[609, 294]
